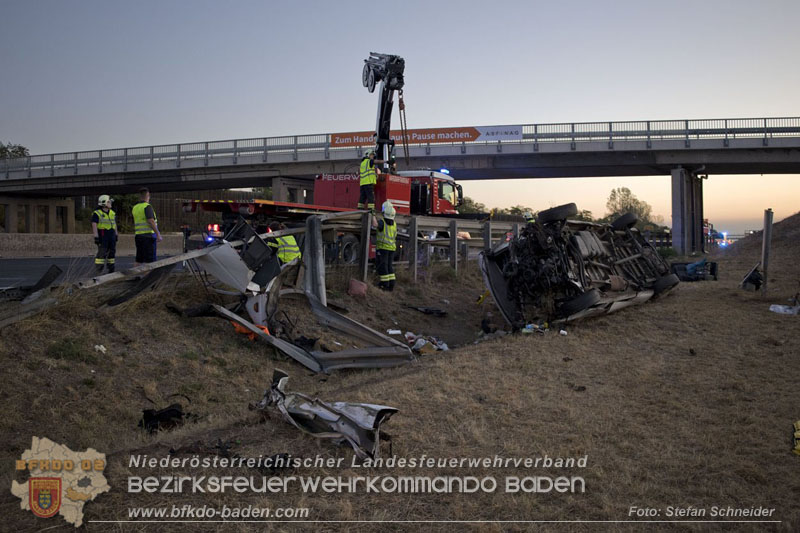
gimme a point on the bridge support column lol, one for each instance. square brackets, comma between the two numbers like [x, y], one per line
[687, 212]
[10, 220]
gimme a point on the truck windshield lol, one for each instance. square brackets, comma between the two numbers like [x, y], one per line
[447, 192]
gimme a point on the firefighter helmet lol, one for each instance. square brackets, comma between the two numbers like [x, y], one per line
[388, 210]
[104, 200]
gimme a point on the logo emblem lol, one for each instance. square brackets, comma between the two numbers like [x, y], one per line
[44, 496]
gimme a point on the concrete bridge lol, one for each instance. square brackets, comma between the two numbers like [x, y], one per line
[684, 149]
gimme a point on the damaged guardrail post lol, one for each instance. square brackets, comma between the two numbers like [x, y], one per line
[487, 235]
[515, 230]
[454, 245]
[765, 245]
[363, 256]
[314, 259]
[413, 247]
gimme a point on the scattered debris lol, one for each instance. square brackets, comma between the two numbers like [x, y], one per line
[535, 328]
[250, 334]
[702, 270]
[785, 309]
[170, 417]
[357, 288]
[29, 293]
[393, 332]
[358, 424]
[150, 281]
[425, 345]
[563, 333]
[753, 279]
[100, 348]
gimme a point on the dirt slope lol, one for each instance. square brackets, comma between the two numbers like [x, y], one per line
[687, 401]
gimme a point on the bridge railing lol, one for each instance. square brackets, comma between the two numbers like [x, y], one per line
[578, 132]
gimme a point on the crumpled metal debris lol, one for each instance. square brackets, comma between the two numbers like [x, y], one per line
[170, 417]
[358, 424]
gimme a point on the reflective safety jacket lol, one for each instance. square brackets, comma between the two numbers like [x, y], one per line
[368, 174]
[387, 236]
[140, 225]
[106, 221]
[287, 247]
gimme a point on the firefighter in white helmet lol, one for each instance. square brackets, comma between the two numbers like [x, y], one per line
[104, 227]
[385, 247]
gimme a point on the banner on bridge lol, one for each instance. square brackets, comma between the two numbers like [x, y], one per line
[433, 135]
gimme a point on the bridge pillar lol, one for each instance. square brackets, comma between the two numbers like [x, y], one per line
[298, 191]
[687, 212]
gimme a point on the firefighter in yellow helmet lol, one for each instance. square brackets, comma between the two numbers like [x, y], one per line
[385, 247]
[104, 228]
[285, 247]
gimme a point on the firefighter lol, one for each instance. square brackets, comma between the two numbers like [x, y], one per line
[145, 226]
[369, 177]
[385, 246]
[529, 218]
[287, 249]
[104, 227]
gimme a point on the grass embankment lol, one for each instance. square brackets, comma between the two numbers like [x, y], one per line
[686, 401]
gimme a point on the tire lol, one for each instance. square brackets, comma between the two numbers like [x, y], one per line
[555, 214]
[626, 221]
[580, 303]
[371, 81]
[365, 75]
[665, 283]
[350, 250]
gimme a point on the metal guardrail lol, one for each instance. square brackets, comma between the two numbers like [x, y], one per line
[649, 130]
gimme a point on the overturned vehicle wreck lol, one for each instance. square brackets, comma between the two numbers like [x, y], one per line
[561, 269]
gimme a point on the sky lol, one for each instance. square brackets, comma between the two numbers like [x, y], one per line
[84, 75]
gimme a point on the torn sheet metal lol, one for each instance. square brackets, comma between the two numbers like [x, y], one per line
[372, 357]
[359, 424]
[295, 352]
[330, 318]
[224, 263]
[151, 280]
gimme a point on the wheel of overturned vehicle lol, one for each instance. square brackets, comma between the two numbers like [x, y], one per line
[365, 75]
[665, 283]
[626, 221]
[580, 303]
[554, 214]
[350, 249]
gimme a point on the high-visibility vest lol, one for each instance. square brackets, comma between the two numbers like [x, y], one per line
[140, 225]
[287, 248]
[106, 221]
[387, 239]
[368, 175]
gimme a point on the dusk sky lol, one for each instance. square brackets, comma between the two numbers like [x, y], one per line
[82, 75]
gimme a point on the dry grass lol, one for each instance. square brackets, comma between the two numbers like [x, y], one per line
[687, 401]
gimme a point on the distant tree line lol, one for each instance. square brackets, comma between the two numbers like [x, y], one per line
[620, 201]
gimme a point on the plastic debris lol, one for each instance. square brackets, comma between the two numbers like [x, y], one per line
[785, 309]
[424, 345]
[563, 333]
[393, 332]
[100, 348]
